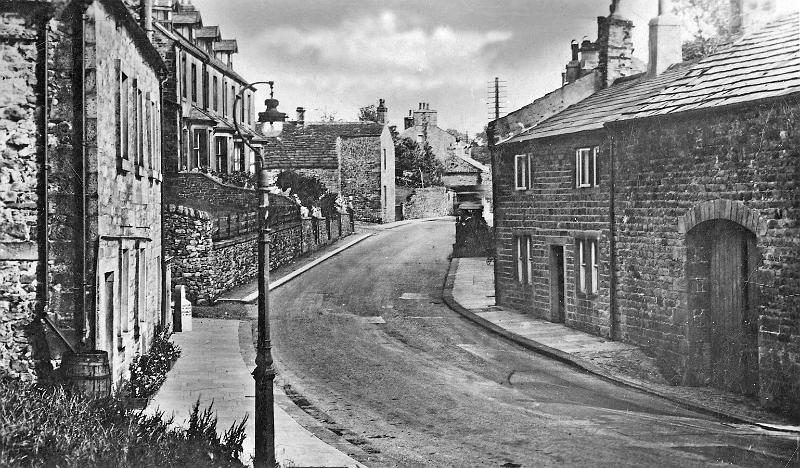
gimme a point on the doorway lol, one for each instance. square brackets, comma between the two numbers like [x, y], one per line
[558, 267]
[722, 261]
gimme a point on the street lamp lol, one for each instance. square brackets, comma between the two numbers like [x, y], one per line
[271, 124]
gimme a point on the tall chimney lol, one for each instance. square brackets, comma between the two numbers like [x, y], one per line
[665, 40]
[573, 66]
[381, 111]
[749, 14]
[615, 43]
[301, 116]
[147, 17]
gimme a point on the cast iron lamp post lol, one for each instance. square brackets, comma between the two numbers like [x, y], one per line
[271, 125]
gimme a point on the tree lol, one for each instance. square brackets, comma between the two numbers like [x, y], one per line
[708, 23]
[368, 113]
[308, 188]
[415, 165]
[328, 116]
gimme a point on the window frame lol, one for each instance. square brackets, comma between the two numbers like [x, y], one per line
[587, 266]
[586, 167]
[526, 172]
[523, 258]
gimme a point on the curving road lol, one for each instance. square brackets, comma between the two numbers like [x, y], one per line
[366, 345]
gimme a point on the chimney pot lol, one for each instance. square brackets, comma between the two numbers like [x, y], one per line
[301, 115]
[381, 111]
[574, 46]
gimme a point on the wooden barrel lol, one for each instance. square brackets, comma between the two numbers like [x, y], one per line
[89, 373]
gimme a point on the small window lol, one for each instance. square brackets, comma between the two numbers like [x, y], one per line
[194, 83]
[184, 75]
[522, 172]
[587, 266]
[215, 94]
[586, 168]
[524, 249]
[224, 99]
[124, 109]
[384, 158]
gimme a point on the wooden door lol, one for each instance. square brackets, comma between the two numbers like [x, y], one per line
[733, 325]
[557, 283]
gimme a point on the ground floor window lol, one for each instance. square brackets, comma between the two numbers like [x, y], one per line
[222, 153]
[523, 246]
[587, 265]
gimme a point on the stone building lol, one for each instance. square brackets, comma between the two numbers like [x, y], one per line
[710, 167]
[422, 126]
[659, 212]
[81, 264]
[199, 94]
[350, 158]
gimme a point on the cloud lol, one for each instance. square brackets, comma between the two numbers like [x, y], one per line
[385, 46]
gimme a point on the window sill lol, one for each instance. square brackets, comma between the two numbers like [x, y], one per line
[124, 166]
[141, 171]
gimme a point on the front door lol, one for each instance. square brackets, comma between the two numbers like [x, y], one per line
[728, 254]
[558, 267]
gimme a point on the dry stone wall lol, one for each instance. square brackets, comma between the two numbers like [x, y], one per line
[208, 269]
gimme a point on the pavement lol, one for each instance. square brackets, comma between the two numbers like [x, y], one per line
[215, 367]
[469, 290]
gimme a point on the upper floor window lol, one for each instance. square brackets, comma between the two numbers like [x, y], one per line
[124, 110]
[586, 167]
[184, 75]
[215, 93]
[194, 82]
[224, 99]
[588, 265]
[522, 172]
[206, 100]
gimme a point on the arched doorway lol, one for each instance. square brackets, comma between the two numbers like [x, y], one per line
[723, 299]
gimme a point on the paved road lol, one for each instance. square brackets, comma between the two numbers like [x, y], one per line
[374, 353]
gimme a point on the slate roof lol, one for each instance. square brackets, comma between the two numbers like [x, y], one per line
[189, 17]
[603, 106]
[313, 145]
[226, 45]
[456, 165]
[763, 64]
[207, 32]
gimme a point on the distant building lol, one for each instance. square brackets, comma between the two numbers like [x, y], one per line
[200, 93]
[421, 125]
[351, 158]
[81, 262]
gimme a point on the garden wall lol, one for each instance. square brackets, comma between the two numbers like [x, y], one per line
[209, 268]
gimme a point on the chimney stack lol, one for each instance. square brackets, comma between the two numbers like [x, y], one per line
[147, 17]
[615, 44]
[301, 116]
[381, 111]
[749, 14]
[665, 40]
[573, 66]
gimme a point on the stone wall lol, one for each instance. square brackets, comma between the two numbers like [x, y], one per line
[554, 213]
[429, 202]
[208, 269]
[23, 350]
[742, 165]
[361, 177]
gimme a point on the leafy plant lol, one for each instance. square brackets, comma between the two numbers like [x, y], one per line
[148, 371]
[46, 425]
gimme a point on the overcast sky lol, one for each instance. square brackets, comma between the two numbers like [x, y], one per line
[339, 55]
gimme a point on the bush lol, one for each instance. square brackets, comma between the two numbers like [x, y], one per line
[148, 371]
[49, 426]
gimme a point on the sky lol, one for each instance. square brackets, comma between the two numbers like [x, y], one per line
[335, 56]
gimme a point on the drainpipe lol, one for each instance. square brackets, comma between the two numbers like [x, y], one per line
[612, 244]
[85, 327]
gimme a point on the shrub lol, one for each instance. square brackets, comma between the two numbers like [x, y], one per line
[49, 426]
[148, 371]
